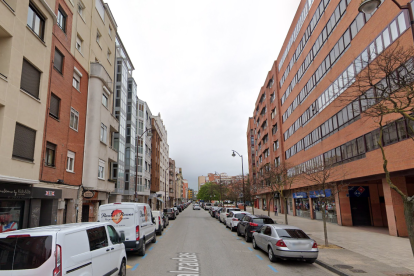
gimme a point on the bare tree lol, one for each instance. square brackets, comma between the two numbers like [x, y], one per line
[234, 189]
[251, 190]
[386, 86]
[277, 179]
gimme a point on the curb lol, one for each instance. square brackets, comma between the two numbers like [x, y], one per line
[331, 268]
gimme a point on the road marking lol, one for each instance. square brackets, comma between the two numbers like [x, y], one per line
[143, 257]
[156, 242]
[243, 242]
[250, 248]
[260, 258]
[128, 266]
[272, 268]
[234, 235]
[150, 248]
[160, 237]
[135, 267]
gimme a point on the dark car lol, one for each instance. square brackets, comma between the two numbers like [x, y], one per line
[217, 213]
[214, 210]
[165, 219]
[170, 213]
[251, 223]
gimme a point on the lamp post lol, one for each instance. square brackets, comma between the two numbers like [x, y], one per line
[244, 195]
[149, 134]
[368, 6]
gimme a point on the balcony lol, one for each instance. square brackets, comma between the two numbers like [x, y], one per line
[98, 71]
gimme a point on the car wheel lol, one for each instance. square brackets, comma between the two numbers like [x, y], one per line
[141, 252]
[310, 261]
[238, 233]
[254, 244]
[233, 229]
[246, 237]
[154, 240]
[122, 269]
[272, 256]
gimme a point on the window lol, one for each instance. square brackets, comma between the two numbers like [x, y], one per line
[74, 119]
[70, 164]
[105, 100]
[24, 142]
[58, 61]
[97, 238]
[110, 31]
[36, 21]
[277, 161]
[61, 19]
[54, 106]
[50, 154]
[100, 9]
[103, 133]
[79, 43]
[101, 169]
[81, 7]
[98, 37]
[76, 81]
[30, 80]
[113, 235]
[108, 55]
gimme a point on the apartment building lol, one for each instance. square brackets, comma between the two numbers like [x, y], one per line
[179, 181]
[95, 48]
[185, 190]
[299, 118]
[155, 196]
[123, 171]
[144, 151]
[201, 181]
[172, 182]
[163, 188]
[25, 58]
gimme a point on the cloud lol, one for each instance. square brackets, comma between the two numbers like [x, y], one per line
[201, 64]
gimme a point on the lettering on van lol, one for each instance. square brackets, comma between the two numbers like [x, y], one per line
[116, 216]
[143, 214]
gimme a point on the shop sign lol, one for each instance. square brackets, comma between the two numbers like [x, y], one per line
[320, 193]
[358, 191]
[13, 191]
[88, 194]
[300, 195]
[276, 195]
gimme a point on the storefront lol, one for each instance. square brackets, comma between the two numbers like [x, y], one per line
[324, 200]
[91, 202]
[23, 206]
[302, 204]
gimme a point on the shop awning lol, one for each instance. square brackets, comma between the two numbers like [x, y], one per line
[300, 195]
[160, 199]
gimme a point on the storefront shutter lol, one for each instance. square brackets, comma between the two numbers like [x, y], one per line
[30, 80]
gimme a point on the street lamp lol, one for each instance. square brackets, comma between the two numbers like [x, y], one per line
[244, 195]
[368, 6]
[149, 134]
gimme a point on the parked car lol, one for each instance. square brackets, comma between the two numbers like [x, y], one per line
[165, 219]
[250, 223]
[224, 213]
[285, 242]
[159, 223]
[234, 218]
[196, 207]
[170, 213]
[133, 219]
[217, 213]
[89, 248]
[214, 210]
[177, 212]
[207, 206]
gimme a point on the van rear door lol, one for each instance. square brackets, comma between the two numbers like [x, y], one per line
[120, 217]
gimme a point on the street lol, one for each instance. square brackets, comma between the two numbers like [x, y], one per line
[218, 251]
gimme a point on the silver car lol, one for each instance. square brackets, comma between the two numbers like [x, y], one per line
[285, 242]
[234, 218]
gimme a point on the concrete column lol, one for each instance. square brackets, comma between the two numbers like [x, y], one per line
[70, 212]
[79, 209]
[343, 208]
[294, 206]
[95, 210]
[34, 216]
[395, 207]
[312, 214]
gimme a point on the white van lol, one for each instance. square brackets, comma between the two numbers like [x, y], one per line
[159, 222]
[134, 220]
[78, 249]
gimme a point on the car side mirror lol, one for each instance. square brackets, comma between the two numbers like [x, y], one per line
[122, 237]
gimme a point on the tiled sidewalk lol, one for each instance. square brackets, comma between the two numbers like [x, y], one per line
[373, 243]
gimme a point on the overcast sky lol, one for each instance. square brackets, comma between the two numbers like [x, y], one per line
[201, 64]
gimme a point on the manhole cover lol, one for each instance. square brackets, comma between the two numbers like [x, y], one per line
[357, 271]
[343, 266]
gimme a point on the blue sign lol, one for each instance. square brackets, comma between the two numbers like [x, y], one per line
[300, 195]
[358, 191]
[320, 193]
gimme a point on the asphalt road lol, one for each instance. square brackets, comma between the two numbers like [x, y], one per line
[196, 244]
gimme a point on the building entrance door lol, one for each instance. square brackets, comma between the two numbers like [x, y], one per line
[361, 215]
[85, 213]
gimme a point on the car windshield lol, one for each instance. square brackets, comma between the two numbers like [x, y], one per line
[167, 210]
[239, 216]
[263, 220]
[292, 233]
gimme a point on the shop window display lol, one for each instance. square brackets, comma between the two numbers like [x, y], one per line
[11, 213]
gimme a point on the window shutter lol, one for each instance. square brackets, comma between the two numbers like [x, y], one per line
[24, 142]
[54, 106]
[30, 80]
[50, 146]
[58, 61]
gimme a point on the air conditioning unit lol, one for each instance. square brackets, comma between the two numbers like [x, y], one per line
[61, 205]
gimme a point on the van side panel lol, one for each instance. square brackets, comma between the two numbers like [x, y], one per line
[76, 253]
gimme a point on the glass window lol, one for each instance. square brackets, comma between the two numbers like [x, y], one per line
[103, 133]
[74, 119]
[101, 169]
[113, 235]
[402, 23]
[50, 154]
[354, 29]
[70, 163]
[291, 233]
[386, 36]
[61, 19]
[58, 61]
[394, 30]
[36, 21]
[390, 134]
[76, 81]
[402, 132]
[97, 238]
[105, 100]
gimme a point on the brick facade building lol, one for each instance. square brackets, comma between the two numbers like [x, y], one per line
[299, 118]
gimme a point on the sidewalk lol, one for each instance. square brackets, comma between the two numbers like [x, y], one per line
[366, 249]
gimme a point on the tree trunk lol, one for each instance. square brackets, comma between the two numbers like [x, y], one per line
[325, 230]
[286, 211]
[409, 219]
[268, 208]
